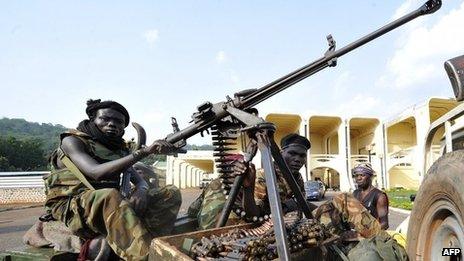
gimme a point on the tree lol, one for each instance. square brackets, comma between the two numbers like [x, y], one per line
[4, 164]
[21, 155]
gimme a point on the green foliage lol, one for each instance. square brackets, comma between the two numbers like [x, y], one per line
[21, 155]
[399, 198]
[24, 146]
[21, 129]
[4, 164]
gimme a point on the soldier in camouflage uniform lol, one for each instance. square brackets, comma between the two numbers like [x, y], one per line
[344, 214]
[82, 189]
[253, 196]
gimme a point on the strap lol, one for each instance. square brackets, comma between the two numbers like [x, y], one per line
[70, 165]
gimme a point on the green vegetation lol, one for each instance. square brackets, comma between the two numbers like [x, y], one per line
[22, 130]
[25, 146]
[21, 155]
[399, 198]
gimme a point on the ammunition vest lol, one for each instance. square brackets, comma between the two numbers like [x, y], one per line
[69, 181]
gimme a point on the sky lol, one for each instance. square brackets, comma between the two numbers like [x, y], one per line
[164, 58]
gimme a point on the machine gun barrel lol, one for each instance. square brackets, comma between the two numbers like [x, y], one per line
[269, 90]
[294, 77]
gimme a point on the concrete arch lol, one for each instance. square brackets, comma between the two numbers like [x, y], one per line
[183, 181]
[325, 134]
[188, 177]
[192, 176]
[327, 163]
[344, 176]
[285, 123]
[197, 173]
[401, 144]
[170, 170]
[178, 174]
[400, 162]
[198, 177]
[401, 176]
[329, 176]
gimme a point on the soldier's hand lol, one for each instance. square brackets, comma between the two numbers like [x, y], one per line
[138, 201]
[161, 147]
[247, 170]
[251, 149]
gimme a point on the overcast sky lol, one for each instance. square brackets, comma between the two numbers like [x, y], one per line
[162, 59]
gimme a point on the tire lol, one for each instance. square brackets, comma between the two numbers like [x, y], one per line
[437, 217]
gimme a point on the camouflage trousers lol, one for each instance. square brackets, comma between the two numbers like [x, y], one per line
[104, 212]
[208, 206]
[342, 213]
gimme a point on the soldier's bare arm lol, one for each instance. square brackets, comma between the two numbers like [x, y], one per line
[74, 148]
[382, 210]
[249, 173]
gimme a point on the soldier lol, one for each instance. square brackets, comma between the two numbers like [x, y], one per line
[253, 197]
[363, 213]
[82, 189]
[373, 199]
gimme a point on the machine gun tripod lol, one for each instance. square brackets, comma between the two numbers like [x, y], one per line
[263, 133]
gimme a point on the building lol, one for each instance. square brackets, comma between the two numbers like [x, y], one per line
[394, 147]
[405, 136]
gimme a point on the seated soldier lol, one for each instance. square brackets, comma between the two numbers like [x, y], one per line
[253, 197]
[83, 188]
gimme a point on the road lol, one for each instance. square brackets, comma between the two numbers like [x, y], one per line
[14, 223]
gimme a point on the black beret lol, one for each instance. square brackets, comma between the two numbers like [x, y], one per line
[94, 105]
[294, 138]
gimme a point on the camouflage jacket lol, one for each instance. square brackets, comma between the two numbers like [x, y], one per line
[63, 183]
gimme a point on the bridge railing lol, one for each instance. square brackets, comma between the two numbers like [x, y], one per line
[29, 179]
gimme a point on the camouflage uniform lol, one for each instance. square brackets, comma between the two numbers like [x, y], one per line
[345, 212]
[342, 213]
[208, 207]
[102, 211]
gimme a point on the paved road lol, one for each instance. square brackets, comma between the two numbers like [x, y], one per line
[14, 223]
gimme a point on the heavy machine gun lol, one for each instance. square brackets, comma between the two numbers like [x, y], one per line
[233, 115]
